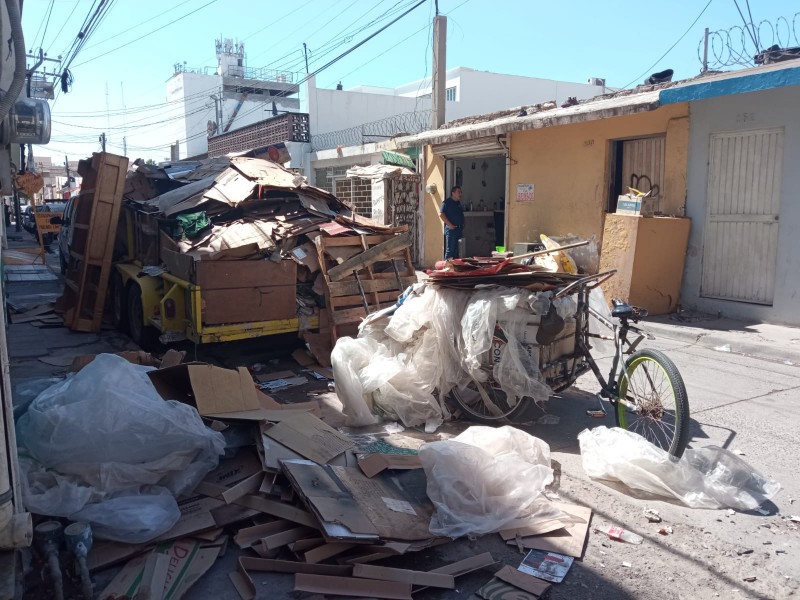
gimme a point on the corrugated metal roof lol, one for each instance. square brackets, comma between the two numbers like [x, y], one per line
[587, 111]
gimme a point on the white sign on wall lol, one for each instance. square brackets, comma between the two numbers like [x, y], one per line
[524, 192]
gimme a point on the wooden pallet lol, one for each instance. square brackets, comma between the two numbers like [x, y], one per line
[93, 235]
[366, 282]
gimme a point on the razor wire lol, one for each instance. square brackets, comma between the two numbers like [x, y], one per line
[375, 131]
[734, 46]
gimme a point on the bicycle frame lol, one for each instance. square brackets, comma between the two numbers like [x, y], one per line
[620, 335]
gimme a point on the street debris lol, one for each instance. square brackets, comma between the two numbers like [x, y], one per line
[730, 512]
[627, 564]
[750, 579]
[743, 551]
[665, 530]
[652, 515]
[621, 535]
[723, 348]
[709, 477]
[546, 565]
[292, 493]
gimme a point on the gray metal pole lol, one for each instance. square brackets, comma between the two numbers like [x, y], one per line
[439, 79]
[705, 52]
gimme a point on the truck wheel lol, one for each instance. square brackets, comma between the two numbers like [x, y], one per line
[119, 305]
[145, 336]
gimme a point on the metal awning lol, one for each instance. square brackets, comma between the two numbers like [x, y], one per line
[488, 146]
[397, 158]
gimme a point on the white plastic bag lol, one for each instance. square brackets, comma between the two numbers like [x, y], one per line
[106, 433]
[705, 478]
[487, 479]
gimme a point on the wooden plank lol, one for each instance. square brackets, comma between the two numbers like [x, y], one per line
[345, 586]
[384, 298]
[356, 240]
[373, 255]
[344, 317]
[379, 284]
[437, 580]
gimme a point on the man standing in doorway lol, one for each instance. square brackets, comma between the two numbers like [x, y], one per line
[452, 215]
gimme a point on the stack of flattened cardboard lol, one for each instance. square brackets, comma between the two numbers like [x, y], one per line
[299, 500]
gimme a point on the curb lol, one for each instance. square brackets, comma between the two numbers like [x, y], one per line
[770, 351]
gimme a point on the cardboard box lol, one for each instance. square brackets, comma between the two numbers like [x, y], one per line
[629, 204]
[236, 274]
[213, 390]
[244, 305]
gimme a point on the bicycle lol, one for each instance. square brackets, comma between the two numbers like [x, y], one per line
[646, 390]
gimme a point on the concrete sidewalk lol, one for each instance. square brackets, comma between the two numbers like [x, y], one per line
[760, 340]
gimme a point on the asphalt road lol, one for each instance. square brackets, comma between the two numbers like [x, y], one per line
[741, 403]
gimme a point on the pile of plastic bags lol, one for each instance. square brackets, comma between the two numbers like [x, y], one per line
[405, 360]
[102, 446]
[710, 477]
[486, 480]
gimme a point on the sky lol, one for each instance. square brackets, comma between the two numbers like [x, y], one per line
[120, 73]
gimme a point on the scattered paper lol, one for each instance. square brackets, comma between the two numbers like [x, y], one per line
[724, 348]
[546, 565]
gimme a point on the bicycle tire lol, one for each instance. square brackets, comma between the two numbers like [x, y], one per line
[670, 435]
[469, 398]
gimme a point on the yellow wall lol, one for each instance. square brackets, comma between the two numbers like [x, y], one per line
[569, 166]
[434, 237]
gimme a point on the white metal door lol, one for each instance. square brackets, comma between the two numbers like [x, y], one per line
[741, 237]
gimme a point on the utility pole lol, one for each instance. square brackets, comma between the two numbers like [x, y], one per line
[305, 54]
[439, 78]
[69, 184]
[124, 124]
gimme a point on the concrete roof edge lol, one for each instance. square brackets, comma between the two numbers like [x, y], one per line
[590, 111]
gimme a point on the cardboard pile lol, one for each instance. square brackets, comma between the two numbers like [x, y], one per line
[244, 230]
[296, 496]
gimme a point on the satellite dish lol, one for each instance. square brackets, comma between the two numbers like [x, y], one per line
[211, 128]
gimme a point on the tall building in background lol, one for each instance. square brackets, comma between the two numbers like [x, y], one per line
[230, 96]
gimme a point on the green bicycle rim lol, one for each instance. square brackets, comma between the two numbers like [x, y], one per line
[622, 416]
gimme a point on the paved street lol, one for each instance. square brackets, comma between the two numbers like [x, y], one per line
[744, 403]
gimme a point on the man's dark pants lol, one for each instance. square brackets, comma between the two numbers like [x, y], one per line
[451, 237]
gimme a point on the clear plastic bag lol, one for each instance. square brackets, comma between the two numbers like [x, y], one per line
[105, 432]
[487, 479]
[708, 477]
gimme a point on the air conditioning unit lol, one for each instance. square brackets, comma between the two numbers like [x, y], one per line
[597, 81]
[28, 122]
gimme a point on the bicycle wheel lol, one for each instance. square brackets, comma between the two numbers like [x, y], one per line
[657, 405]
[487, 403]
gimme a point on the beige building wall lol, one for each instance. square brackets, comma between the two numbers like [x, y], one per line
[570, 168]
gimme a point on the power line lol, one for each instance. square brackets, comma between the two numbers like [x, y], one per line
[748, 25]
[47, 22]
[147, 34]
[41, 23]
[345, 53]
[650, 68]
[116, 36]
[64, 24]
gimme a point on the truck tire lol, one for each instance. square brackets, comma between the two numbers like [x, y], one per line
[119, 302]
[145, 336]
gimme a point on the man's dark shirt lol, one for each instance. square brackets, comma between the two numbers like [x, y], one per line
[453, 211]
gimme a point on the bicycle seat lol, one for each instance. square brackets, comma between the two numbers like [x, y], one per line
[623, 310]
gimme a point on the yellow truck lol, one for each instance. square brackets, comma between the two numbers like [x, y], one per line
[203, 301]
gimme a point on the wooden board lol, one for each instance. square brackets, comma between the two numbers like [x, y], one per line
[92, 248]
[353, 288]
